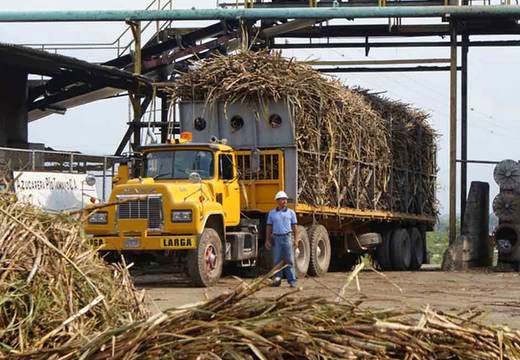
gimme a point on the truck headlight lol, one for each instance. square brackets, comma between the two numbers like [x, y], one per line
[183, 216]
[100, 217]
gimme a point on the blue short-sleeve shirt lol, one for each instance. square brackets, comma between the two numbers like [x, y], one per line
[281, 220]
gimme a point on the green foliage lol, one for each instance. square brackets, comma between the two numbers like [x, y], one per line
[437, 240]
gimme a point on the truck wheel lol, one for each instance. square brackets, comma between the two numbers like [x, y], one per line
[205, 263]
[302, 256]
[383, 252]
[400, 250]
[417, 246]
[320, 250]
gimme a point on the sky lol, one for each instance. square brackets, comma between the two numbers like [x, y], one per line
[494, 129]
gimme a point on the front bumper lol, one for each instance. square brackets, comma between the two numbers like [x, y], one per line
[139, 243]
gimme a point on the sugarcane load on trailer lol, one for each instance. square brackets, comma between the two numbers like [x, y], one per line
[359, 171]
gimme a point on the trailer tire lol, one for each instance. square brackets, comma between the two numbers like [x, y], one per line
[400, 250]
[302, 254]
[320, 250]
[205, 263]
[383, 258]
[417, 247]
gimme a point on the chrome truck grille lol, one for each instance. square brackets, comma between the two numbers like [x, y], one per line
[141, 207]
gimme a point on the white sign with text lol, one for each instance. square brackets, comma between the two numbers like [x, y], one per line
[54, 192]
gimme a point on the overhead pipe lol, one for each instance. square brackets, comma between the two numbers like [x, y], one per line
[271, 13]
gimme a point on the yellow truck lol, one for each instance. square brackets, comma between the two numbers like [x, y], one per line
[200, 202]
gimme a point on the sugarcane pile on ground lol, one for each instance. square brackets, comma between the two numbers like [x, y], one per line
[58, 300]
[55, 290]
[239, 326]
[354, 150]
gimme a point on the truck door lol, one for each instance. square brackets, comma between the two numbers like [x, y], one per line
[228, 190]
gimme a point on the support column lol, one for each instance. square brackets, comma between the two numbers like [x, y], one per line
[165, 106]
[464, 128]
[135, 27]
[453, 134]
[13, 107]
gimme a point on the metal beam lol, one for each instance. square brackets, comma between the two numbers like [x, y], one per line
[484, 162]
[287, 27]
[137, 118]
[504, 26]
[393, 44]
[377, 62]
[453, 136]
[464, 128]
[385, 69]
[271, 13]
[165, 107]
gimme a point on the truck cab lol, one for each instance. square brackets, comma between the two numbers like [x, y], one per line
[185, 199]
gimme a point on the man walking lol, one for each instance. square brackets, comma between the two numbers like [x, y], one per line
[281, 224]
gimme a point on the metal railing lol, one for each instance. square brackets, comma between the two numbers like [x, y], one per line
[102, 167]
[122, 45]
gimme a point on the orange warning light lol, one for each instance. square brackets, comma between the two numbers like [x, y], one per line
[186, 135]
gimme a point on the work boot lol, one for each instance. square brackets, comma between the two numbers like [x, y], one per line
[276, 282]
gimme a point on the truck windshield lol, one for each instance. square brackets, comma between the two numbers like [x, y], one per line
[179, 164]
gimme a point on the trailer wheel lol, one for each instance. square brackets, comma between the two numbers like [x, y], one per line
[417, 247]
[383, 252]
[205, 263]
[302, 256]
[320, 250]
[400, 250]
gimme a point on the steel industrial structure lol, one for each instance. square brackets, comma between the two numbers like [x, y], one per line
[159, 60]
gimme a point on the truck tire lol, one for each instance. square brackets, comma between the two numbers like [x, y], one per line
[302, 254]
[205, 263]
[383, 259]
[417, 246]
[400, 250]
[320, 250]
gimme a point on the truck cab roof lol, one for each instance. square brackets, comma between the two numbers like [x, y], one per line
[186, 145]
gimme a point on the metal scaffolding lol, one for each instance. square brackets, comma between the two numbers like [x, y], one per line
[284, 22]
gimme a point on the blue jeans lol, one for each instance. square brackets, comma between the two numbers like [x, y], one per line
[283, 250]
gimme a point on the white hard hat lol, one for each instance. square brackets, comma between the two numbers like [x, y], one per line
[280, 195]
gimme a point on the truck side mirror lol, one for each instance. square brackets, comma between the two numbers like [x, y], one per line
[255, 161]
[195, 178]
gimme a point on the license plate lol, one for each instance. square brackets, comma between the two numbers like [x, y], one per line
[96, 242]
[179, 242]
[132, 243]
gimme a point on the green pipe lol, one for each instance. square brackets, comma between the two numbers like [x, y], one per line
[272, 13]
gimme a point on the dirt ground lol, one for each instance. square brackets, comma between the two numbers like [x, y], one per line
[498, 294]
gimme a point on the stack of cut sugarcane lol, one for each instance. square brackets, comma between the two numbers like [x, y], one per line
[239, 326]
[60, 301]
[55, 290]
[354, 149]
